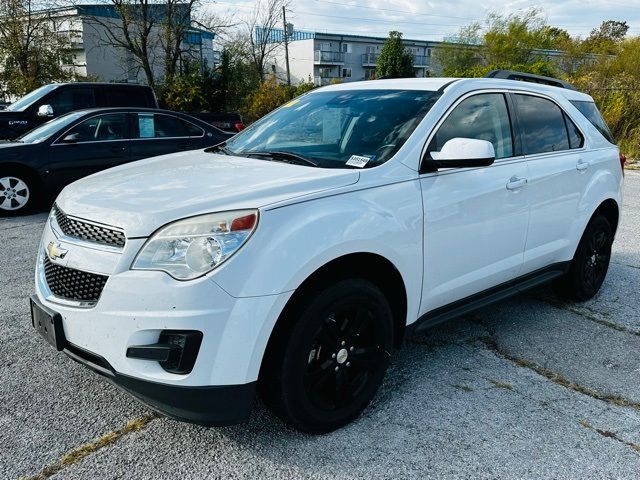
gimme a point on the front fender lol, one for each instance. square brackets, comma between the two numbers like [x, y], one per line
[293, 241]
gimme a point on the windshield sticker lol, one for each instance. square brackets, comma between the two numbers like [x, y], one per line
[146, 125]
[359, 160]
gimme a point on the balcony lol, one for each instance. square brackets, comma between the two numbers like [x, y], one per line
[320, 81]
[324, 57]
[369, 59]
[73, 38]
[421, 61]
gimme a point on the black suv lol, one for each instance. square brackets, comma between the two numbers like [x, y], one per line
[56, 99]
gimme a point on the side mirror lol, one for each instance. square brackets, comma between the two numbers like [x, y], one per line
[45, 111]
[71, 138]
[464, 152]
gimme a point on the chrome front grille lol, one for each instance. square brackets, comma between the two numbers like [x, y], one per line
[90, 232]
[71, 284]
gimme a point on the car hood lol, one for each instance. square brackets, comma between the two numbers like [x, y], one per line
[142, 196]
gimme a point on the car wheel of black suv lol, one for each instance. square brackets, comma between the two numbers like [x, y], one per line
[17, 193]
[590, 263]
[329, 364]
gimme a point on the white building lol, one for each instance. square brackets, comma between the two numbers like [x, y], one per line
[327, 57]
[96, 57]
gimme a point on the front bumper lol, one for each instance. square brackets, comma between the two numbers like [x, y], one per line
[205, 405]
[136, 306]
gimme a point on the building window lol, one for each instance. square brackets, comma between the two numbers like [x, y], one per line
[346, 73]
[326, 73]
[369, 73]
[345, 48]
[428, 52]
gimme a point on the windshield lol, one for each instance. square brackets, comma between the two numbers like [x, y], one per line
[337, 129]
[26, 101]
[43, 132]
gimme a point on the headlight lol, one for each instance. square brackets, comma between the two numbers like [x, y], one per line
[189, 248]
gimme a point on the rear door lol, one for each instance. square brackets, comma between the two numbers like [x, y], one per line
[475, 219]
[94, 144]
[162, 133]
[559, 170]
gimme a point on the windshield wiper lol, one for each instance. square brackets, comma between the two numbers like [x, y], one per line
[220, 148]
[287, 157]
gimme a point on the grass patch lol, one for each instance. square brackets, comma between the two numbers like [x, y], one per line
[77, 454]
[464, 388]
[499, 384]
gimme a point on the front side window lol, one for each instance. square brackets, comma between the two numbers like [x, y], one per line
[481, 117]
[543, 125]
[329, 128]
[25, 102]
[69, 99]
[101, 128]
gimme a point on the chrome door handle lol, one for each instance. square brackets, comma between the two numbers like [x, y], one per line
[582, 165]
[516, 182]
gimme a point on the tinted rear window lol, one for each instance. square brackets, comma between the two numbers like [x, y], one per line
[128, 97]
[590, 111]
[543, 125]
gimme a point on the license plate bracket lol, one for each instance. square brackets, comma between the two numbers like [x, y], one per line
[47, 323]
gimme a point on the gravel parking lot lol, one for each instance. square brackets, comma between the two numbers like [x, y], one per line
[531, 388]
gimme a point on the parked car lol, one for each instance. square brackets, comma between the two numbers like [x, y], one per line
[40, 163]
[295, 263]
[229, 122]
[56, 99]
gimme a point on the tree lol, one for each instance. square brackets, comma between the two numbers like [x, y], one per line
[607, 37]
[261, 35]
[508, 42]
[395, 61]
[154, 34]
[32, 52]
[514, 39]
[460, 54]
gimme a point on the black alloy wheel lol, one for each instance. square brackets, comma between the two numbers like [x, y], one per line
[329, 363]
[590, 262]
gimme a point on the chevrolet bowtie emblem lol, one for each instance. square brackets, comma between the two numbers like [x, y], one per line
[55, 250]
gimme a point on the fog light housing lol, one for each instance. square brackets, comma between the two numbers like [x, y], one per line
[176, 350]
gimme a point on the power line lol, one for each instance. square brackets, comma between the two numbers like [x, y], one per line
[393, 10]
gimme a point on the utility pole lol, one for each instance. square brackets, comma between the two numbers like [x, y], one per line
[286, 43]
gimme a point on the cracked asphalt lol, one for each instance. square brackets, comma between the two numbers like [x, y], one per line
[534, 387]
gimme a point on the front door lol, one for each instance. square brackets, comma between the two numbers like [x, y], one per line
[94, 144]
[475, 219]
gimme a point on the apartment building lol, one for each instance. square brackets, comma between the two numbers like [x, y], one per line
[85, 29]
[327, 57]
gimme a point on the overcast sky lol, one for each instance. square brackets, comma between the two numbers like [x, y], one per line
[435, 19]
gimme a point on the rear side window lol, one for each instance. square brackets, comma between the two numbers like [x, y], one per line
[576, 140]
[590, 111]
[127, 97]
[543, 125]
[152, 125]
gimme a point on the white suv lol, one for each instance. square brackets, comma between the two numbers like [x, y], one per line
[295, 257]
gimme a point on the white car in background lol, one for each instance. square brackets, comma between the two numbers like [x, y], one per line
[294, 258]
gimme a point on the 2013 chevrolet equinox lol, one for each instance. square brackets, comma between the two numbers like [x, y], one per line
[294, 258]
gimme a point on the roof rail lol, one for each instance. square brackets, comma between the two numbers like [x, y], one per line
[529, 77]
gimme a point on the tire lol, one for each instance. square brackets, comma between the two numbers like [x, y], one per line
[324, 369]
[17, 193]
[590, 262]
